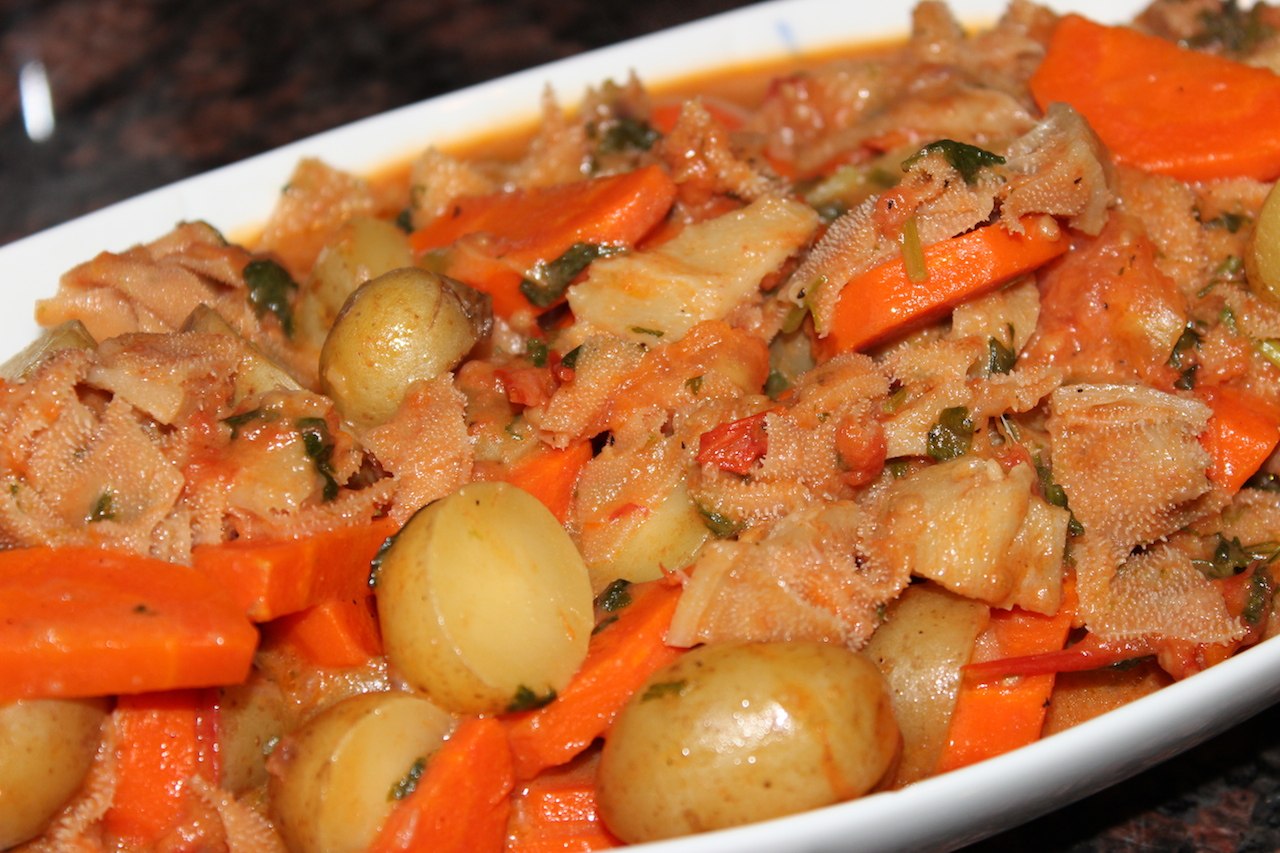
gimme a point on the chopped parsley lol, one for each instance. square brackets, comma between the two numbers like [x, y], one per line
[245, 418]
[1261, 592]
[776, 384]
[1055, 495]
[721, 526]
[318, 445]
[535, 349]
[1230, 222]
[952, 435]
[966, 159]
[404, 220]
[104, 508]
[1231, 558]
[627, 134]
[409, 782]
[1182, 359]
[615, 596]
[547, 282]
[271, 290]
[663, 688]
[527, 700]
[375, 565]
[1000, 358]
[570, 359]
[1232, 30]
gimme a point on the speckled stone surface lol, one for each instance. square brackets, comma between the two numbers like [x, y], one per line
[149, 91]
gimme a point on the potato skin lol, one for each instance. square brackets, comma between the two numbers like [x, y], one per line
[46, 748]
[401, 327]
[331, 779]
[483, 600]
[362, 249]
[735, 733]
[1262, 257]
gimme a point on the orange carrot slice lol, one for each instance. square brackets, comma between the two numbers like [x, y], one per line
[550, 475]
[1243, 431]
[509, 234]
[339, 632]
[271, 578]
[90, 622]
[884, 301]
[557, 811]
[162, 741]
[622, 654]
[463, 800]
[995, 717]
[1163, 108]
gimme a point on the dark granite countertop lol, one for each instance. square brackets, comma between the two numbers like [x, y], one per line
[149, 91]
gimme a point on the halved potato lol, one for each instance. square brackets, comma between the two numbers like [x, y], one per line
[927, 637]
[1262, 258]
[667, 538]
[484, 601]
[335, 780]
[46, 748]
[68, 335]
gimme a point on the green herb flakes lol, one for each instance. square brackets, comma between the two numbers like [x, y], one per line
[318, 445]
[535, 349]
[547, 282]
[627, 134]
[966, 159]
[721, 526]
[1261, 592]
[103, 509]
[271, 290]
[1000, 358]
[663, 688]
[409, 782]
[527, 700]
[776, 384]
[952, 435]
[615, 596]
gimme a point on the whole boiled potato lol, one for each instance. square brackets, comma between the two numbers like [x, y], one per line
[734, 733]
[46, 748]
[362, 249]
[334, 781]
[403, 326]
[1262, 257]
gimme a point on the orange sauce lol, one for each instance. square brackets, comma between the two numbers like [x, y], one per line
[744, 84]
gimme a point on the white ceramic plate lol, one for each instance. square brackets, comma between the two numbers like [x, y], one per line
[940, 813]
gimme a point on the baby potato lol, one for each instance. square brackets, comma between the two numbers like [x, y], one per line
[484, 602]
[668, 537]
[334, 780]
[1262, 258]
[70, 334]
[46, 748]
[362, 249]
[251, 716]
[403, 326]
[734, 733]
